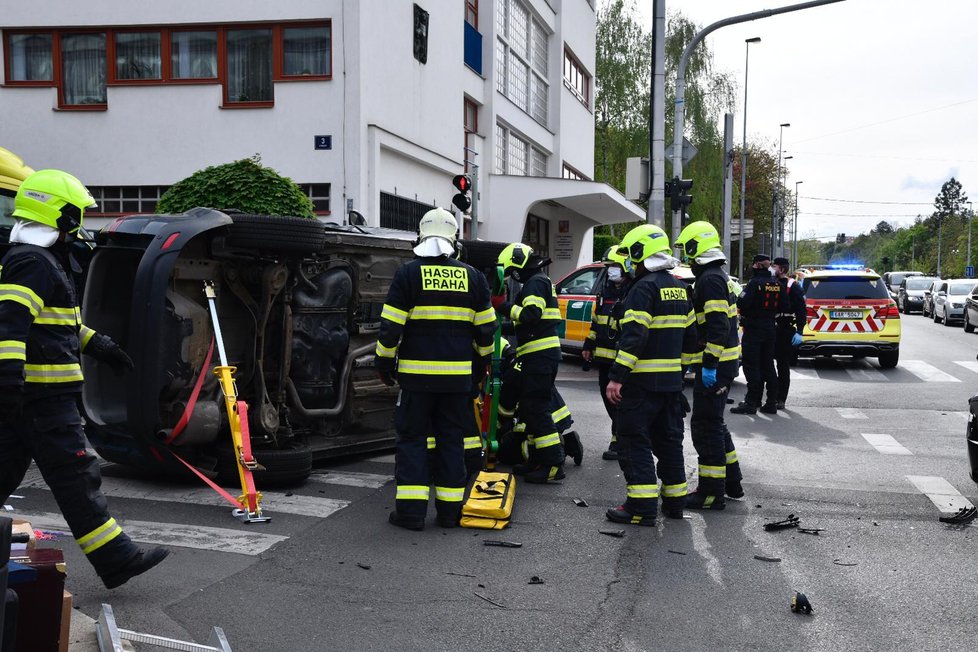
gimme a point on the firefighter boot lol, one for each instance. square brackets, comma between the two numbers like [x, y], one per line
[573, 447]
[406, 522]
[734, 489]
[621, 515]
[673, 507]
[611, 453]
[142, 562]
[744, 408]
[699, 500]
[768, 408]
[544, 473]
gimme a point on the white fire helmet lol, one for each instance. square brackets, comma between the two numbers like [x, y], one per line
[436, 232]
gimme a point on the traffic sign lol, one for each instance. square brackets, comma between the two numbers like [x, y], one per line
[748, 228]
[688, 151]
[969, 271]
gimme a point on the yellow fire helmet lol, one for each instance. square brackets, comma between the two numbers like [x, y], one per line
[643, 241]
[514, 256]
[613, 256]
[54, 198]
[12, 171]
[698, 238]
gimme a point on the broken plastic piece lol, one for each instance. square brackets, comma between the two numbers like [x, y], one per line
[842, 563]
[613, 533]
[800, 604]
[363, 566]
[791, 521]
[963, 515]
[763, 558]
[580, 502]
[811, 530]
[502, 544]
[535, 580]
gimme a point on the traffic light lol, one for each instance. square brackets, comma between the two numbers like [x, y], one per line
[463, 183]
[678, 191]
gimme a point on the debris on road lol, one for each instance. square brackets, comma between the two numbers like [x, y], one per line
[363, 566]
[502, 544]
[800, 604]
[613, 533]
[580, 502]
[479, 595]
[811, 530]
[677, 552]
[791, 521]
[963, 515]
[535, 580]
[763, 558]
[458, 574]
[839, 562]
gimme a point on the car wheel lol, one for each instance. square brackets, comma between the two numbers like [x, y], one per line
[968, 326]
[288, 465]
[947, 321]
[889, 359]
[274, 234]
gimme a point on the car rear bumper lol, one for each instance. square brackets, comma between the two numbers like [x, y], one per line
[847, 348]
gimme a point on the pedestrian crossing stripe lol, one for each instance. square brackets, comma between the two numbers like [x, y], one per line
[351, 479]
[885, 444]
[940, 492]
[928, 372]
[970, 365]
[864, 371]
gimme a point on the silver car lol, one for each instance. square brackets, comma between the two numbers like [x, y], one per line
[927, 307]
[949, 299]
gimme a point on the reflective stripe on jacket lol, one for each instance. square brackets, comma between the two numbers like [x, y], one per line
[602, 339]
[716, 320]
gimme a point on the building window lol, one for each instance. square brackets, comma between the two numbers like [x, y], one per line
[570, 173]
[83, 69]
[472, 13]
[517, 156]
[401, 213]
[521, 58]
[193, 55]
[319, 194]
[576, 79]
[29, 58]
[537, 235]
[247, 61]
[125, 200]
[471, 123]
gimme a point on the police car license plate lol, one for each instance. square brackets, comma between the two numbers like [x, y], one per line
[846, 314]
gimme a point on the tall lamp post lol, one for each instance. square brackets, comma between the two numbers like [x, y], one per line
[775, 194]
[781, 214]
[743, 164]
[970, 215]
[794, 228]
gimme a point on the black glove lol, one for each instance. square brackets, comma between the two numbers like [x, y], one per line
[11, 401]
[386, 377]
[685, 403]
[104, 349]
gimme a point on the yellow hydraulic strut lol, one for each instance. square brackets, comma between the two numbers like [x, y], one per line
[250, 498]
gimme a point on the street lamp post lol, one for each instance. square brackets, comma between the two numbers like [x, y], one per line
[970, 215]
[774, 191]
[781, 205]
[743, 164]
[794, 228]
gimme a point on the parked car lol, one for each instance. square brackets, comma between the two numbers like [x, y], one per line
[927, 306]
[910, 295]
[949, 299]
[971, 311]
[894, 279]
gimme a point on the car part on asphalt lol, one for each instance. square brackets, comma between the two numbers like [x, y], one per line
[536, 580]
[502, 544]
[963, 515]
[763, 558]
[613, 533]
[801, 605]
[580, 502]
[111, 637]
[790, 522]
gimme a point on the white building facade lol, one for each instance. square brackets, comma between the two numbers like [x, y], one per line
[370, 105]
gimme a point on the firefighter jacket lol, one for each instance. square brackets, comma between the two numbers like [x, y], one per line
[437, 312]
[658, 327]
[536, 317]
[761, 301]
[715, 304]
[41, 332]
[797, 313]
[602, 339]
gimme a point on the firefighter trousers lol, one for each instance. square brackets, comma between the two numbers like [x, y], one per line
[49, 431]
[650, 428]
[535, 391]
[715, 452]
[784, 356]
[446, 417]
[757, 346]
[611, 409]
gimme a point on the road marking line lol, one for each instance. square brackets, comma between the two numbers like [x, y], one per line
[850, 413]
[244, 541]
[866, 374]
[807, 374]
[970, 365]
[351, 478]
[941, 492]
[273, 502]
[927, 372]
[885, 444]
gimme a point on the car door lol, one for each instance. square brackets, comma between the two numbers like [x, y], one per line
[940, 299]
[576, 296]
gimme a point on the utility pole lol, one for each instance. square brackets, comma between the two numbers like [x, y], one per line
[743, 165]
[970, 215]
[728, 157]
[657, 133]
[794, 230]
[678, 127]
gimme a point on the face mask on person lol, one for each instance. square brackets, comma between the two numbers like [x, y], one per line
[614, 274]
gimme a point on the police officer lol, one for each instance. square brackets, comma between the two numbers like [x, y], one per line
[646, 380]
[602, 339]
[536, 317]
[759, 304]
[436, 313]
[715, 304]
[791, 326]
[41, 341]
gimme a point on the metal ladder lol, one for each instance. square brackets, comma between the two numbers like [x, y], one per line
[110, 637]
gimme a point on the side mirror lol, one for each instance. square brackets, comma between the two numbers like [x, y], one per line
[942, 293]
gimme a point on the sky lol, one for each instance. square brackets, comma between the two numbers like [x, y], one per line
[881, 95]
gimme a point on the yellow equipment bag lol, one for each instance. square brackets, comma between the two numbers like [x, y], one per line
[490, 501]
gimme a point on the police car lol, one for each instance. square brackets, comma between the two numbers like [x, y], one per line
[850, 312]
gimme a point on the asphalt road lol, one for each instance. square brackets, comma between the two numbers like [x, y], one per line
[869, 456]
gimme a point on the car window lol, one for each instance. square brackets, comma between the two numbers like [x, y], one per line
[845, 287]
[942, 288]
[917, 283]
[580, 282]
[6, 208]
[958, 289]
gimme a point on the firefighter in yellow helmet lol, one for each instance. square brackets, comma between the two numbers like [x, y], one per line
[716, 362]
[536, 317]
[602, 339]
[436, 314]
[646, 381]
[41, 342]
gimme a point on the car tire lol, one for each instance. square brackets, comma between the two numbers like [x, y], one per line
[934, 315]
[274, 234]
[289, 465]
[889, 359]
[968, 326]
[947, 322]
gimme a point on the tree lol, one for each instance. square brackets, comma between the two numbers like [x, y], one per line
[244, 185]
[882, 228]
[951, 200]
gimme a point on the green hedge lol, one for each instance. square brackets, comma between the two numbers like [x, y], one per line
[601, 244]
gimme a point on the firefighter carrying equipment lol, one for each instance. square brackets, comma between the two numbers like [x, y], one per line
[490, 502]
[54, 198]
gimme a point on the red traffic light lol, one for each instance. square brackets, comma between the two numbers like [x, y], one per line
[463, 182]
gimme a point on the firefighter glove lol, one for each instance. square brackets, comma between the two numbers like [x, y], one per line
[11, 401]
[796, 339]
[386, 377]
[709, 377]
[104, 349]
